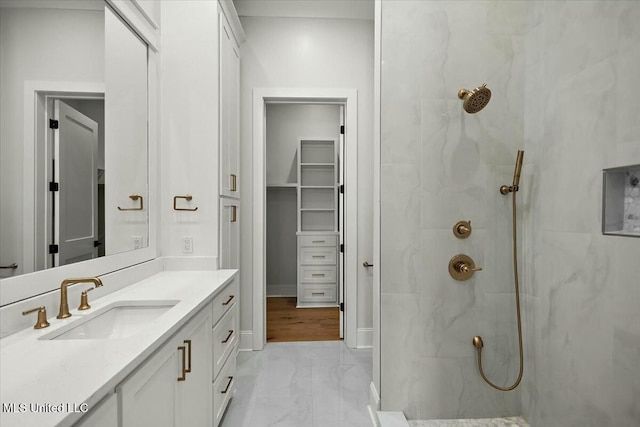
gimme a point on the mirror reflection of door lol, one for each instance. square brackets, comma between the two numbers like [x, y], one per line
[75, 213]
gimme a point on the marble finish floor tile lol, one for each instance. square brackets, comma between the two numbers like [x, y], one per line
[310, 384]
[484, 422]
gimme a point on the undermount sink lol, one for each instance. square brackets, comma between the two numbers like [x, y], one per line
[120, 319]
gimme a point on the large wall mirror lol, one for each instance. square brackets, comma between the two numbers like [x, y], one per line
[74, 137]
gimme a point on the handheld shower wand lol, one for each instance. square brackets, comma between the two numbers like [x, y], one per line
[505, 189]
[477, 340]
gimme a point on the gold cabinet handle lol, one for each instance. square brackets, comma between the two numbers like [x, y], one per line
[188, 198]
[317, 241]
[184, 363]
[226, 340]
[234, 183]
[234, 213]
[317, 274]
[188, 343]
[317, 256]
[226, 389]
[134, 197]
[42, 317]
[10, 266]
[317, 293]
[227, 302]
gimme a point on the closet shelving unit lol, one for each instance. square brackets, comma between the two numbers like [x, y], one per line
[317, 222]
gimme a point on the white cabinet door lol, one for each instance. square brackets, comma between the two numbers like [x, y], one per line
[195, 392]
[105, 414]
[173, 387]
[229, 233]
[229, 111]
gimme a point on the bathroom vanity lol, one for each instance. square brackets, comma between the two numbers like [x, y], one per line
[166, 356]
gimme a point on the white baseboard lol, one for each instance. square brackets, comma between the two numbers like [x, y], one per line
[364, 338]
[246, 341]
[374, 404]
[286, 290]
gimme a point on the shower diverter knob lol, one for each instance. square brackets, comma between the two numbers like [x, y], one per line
[462, 267]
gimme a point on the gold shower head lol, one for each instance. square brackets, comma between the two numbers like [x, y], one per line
[475, 100]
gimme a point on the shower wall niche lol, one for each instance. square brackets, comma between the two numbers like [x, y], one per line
[621, 201]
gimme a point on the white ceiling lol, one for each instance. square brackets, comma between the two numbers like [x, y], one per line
[345, 9]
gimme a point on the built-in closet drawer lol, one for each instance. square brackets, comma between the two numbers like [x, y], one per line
[225, 335]
[225, 300]
[321, 240]
[223, 386]
[318, 256]
[318, 293]
[317, 274]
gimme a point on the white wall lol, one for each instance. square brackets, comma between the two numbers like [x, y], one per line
[31, 41]
[298, 52]
[189, 98]
[285, 125]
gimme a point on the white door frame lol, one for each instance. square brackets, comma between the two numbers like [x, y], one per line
[348, 97]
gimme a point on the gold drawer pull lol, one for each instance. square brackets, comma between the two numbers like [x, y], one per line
[317, 241]
[234, 213]
[184, 363]
[228, 337]
[226, 389]
[317, 256]
[317, 274]
[317, 293]
[234, 183]
[188, 343]
[227, 302]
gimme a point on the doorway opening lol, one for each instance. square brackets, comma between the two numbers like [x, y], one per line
[304, 221]
[346, 244]
[70, 181]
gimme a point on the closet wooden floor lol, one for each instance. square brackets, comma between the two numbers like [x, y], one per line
[287, 323]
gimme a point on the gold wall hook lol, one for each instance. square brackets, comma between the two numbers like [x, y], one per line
[462, 267]
[134, 197]
[462, 229]
[188, 198]
[41, 322]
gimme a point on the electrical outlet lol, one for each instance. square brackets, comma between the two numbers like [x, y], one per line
[187, 245]
[137, 242]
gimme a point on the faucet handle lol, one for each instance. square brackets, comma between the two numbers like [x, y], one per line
[42, 317]
[84, 300]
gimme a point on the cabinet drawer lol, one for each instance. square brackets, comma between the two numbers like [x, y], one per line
[225, 335]
[321, 240]
[318, 256]
[318, 293]
[320, 274]
[223, 387]
[225, 299]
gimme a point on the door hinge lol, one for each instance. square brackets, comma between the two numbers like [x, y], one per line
[342, 130]
[341, 247]
[341, 306]
[53, 249]
[54, 186]
[53, 124]
[342, 189]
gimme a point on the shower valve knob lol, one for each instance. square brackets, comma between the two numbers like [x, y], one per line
[462, 267]
[462, 229]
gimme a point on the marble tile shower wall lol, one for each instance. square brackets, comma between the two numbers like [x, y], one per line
[440, 165]
[582, 302]
[560, 72]
[631, 220]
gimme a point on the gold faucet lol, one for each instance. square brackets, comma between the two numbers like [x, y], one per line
[63, 313]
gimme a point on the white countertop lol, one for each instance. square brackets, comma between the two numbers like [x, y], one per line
[72, 372]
